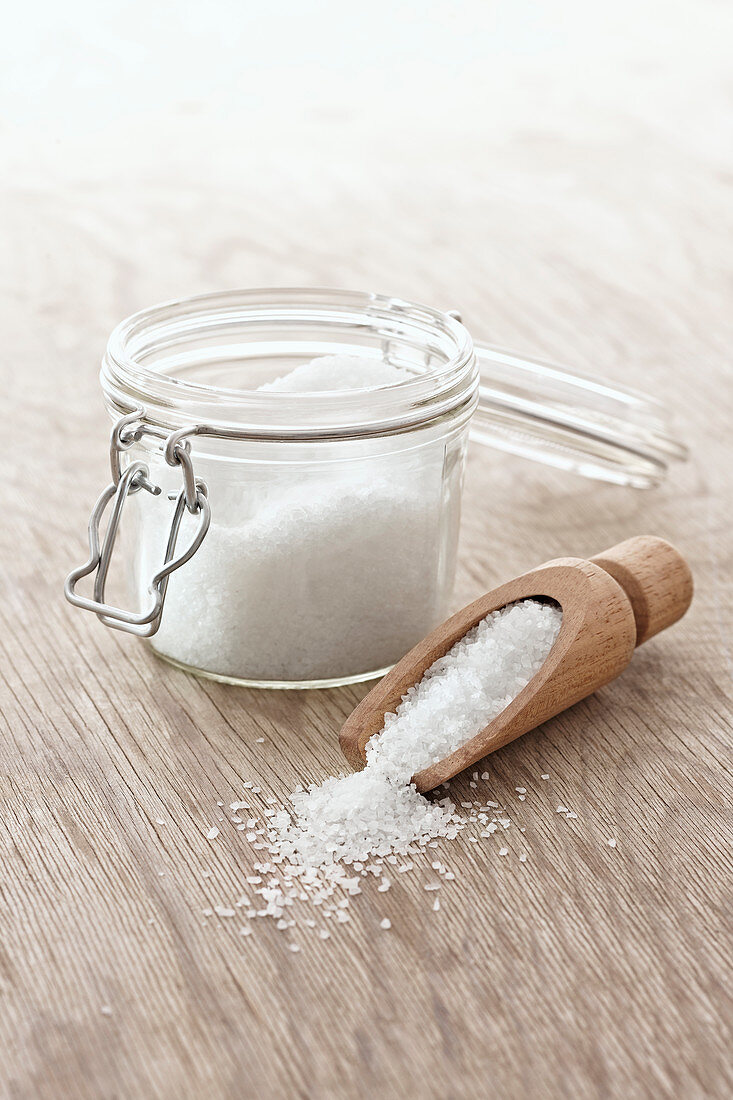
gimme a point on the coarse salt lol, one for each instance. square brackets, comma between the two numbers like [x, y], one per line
[377, 813]
[295, 545]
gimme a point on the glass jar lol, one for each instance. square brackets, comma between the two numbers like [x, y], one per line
[284, 539]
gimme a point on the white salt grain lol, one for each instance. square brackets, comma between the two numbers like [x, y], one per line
[297, 550]
[612, 842]
[377, 813]
[338, 372]
[212, 833]
[386, 923]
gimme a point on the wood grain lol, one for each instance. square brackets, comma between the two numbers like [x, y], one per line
[656, 579]
[596, 237]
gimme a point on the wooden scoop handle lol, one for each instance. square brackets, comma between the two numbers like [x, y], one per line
[656, 579]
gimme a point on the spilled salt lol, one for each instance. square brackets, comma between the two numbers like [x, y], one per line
[349, 826]
[378, 811]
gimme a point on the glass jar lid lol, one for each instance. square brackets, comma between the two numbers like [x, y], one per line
[195, 362]
[203, 361]
[540, 411]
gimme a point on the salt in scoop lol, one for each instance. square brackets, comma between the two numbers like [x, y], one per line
[610, 604]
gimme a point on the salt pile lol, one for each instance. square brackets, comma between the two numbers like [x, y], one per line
[378, 811]
[359, 825]
[314, 567]
[334, 373]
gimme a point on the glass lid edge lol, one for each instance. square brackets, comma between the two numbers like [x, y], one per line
[544, 412]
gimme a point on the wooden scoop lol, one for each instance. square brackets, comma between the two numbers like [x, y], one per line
[610, 604]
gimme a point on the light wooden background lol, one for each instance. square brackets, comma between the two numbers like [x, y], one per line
[560, 176]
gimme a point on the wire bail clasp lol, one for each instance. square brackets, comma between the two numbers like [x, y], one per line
[193, 496]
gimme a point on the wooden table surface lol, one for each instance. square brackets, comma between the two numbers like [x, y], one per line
[572, 220]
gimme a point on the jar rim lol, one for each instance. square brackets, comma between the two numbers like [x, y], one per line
[447, 382]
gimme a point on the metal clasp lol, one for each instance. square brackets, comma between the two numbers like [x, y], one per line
[193, 496]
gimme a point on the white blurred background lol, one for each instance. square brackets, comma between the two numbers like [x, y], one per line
[251, 84]
[153, 150]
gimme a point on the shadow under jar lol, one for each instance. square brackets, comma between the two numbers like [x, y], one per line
[295, 539]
